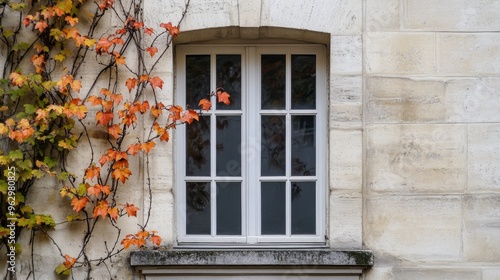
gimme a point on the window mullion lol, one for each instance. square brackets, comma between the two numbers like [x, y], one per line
[288, 122]
[213, 150]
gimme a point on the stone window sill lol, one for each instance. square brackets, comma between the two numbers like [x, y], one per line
[318, 263]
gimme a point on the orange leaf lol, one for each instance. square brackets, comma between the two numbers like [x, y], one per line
[113, 213]
[120, 164]
[148, 146]
[101, 209]
[120, 60]
[71, 20]
[92, 172]
[144, 78]
[94, 100]
[103, 118]
[17, 79]
[167, 25]
[142, 234]
[174, 31]
[152, 51]
[155, 111]
[189, 116]
[131, 83]
[115, 130]
[94, 190]
[131, 210]
[121, 174]
[205, 104]
[133, 149]
[126, 242]
[148, 31]
[41, 25]
[69, 261]
[103, 45]
[79, 203]
[223, 97]
[156, 82]
[155, 239]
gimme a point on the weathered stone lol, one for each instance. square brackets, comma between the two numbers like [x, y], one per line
[345, 222]
[436, 274]
[346, 112]
[491, 274]
[452, 15]
[467, 54]
[416, 158]
[484, 157]
[346, 160]
[403, 100]
[482, 228]
[414, 227]
[346, 89]
[382, 15]
[346, 54]
[403, 53]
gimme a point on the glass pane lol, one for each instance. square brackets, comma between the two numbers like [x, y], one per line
[303, 81]
[198, 147]
[273, 142]
[228, 146]
[303, 146]
[273, 79]
[273, 208]
[197, 79]
[228, 208]
[198, 208]
[303, 208]
[229, 78]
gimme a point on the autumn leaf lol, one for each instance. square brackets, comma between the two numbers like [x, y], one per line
[121, 174]
[103, 118]
[223, 97]
[101, 209]
[155, 111]
[79, 203]
[131, 210]
[167, 25]
[143, 78]
[155, 239]
[127, 242]
[205, 104]
[71, 20]
[92, 172]
[189, 115]
[17, 79]
[131, 83]
[152, 51]
[103, 45]
[148, 31]
[115, 130]
[113, 213]
[120, 60]
[94, 190]
[133, 149]
[69, 261]
[174, 31]
[41, 25]
[148, 146]
[156, 82]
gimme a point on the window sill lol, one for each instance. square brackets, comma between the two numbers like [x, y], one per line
[147, 259]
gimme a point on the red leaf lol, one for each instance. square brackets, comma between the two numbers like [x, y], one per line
[103, 118]
[101, 209]
[131, 210]
[79, 204]
[69, 261]
[152, 51]
[113, 213]
[205, 104]
[115, 130]
[156, 82]
[148, 31]
[121, 174]
[131, 83]
[92, 172]
[223, 97]
[148, 146]
[189, 116]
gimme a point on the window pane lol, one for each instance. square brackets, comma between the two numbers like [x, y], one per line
[197, 79]
[273, 79]
[228, 208]
[303, 208]
[228, 146]
[229, 78]
[273, 142]
[198, 208]
[198, 147]
[303, 81]
[303, 146]
[273, 208]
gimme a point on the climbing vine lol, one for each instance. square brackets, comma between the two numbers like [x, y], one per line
[47, 111]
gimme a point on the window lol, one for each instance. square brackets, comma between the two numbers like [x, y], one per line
[253, 171]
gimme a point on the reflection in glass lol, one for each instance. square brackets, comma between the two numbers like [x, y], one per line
[229, 78]
[228, 146]
[273, 76]
[303, 208]
[273, 143]
[303, 81]
[273, 208]
[198, 208]
[198, 147]
[197, 79]
[303, 146]
[228, 208]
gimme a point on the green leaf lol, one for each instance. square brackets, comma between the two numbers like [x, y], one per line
[82, 189]
[29, 109]
[73, 217]
[62, 270]
[8, 33]
[22, 46]
[16, 154]
[26, 209]
[3, 187]
[17, 6]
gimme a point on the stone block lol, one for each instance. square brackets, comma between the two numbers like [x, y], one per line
[346, 162]
[472, 100]
[346, 54]
[403, 100]
[482, 228]
[452, 15]
[414, 227]
[416, 158]
[491, 274]
[333, 16]
[346, 112]
[484, 157]
[436, 274]
[402, 53]
[162, 217]
[378, 272]
[469, 54]
[383, 15]
[346, 89]
[345, 222]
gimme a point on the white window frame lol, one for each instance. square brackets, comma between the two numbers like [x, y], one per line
[250, 69]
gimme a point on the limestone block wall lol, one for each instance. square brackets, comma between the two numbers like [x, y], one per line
[431, 139]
